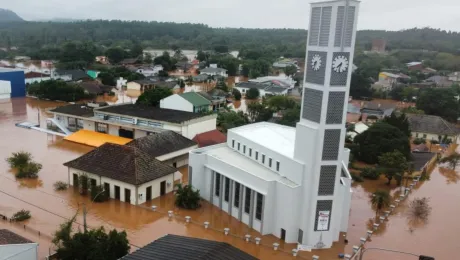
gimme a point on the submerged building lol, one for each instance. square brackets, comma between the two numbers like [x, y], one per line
[293, 182]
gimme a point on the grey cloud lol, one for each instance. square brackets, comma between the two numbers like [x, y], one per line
[374, 14]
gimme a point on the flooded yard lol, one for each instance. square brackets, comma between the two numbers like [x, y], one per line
[50, 208]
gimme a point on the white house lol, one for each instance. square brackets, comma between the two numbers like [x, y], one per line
[150, 71]
[132, 121]
[293, 182]
[125, 172]
[213, 70]
[16, 247]
[5, 89]
[432, 128]
[264, 89]
[36, 77]
[190, 102]
[280, 81]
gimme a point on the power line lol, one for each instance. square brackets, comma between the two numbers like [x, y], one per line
[48, 211]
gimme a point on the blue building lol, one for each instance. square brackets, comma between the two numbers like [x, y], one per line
[17, 79]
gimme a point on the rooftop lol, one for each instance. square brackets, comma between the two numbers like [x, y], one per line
[8, 237]
[231, 157]
[162, 143]
[76, 74]
[196, 99]
[152, 113]
[210, 138]
[213, 70]
[33, 74]
[282, 138]
[173, 247]
[124, 163]
[2, 69]
[431, 125]
[75, 110]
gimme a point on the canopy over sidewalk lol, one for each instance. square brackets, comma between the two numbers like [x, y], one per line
[95, 139]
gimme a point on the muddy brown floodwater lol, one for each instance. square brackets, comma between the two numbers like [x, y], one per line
[49, 208]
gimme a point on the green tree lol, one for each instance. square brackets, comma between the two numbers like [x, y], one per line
[153, 96]
[230, 119]
[57, 90]
[182, 83]
[97, 195]
[148, 58]
[380, 138]
[380, 200]
[439, 102]
[236, 94]
[202, 56]
[73, 52]
[116, 54]
[30, 170]
[258, 112]
[394, 165]
[278, 103]
[290, 117]
[107, 78]
[290, 70]
[94, 244]
[19, 159]
[360, 86]
[136, 51]
[166, 61]
[400, 122]
[453, 160]
[221, 48]
[252, 93]
[187, 197]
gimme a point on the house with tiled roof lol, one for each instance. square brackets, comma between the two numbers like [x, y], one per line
[125, 172]
[432, 128]
[35, 77]
[167, 146]
[210, 138]
[14, 246]
[180, 247]
[190, 102]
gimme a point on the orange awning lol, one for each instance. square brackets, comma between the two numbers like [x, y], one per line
[95, 139]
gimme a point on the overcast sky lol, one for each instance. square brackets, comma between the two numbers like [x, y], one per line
[374, 14]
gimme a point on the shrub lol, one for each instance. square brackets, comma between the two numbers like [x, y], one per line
[236, 94]
[30, 170]
[419, 209]
[97, 194]
[434, 142]
[21, 215]
[252, 93]
[83, 184]
[19, 159]
[370, 173]
[356, 178]
[187, 197]
[418, 141]
[60, 185]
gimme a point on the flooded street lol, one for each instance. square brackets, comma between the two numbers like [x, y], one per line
[50, 208]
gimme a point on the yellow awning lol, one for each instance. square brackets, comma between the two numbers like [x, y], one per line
[95, 139]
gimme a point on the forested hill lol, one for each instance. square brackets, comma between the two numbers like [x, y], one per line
[199, 36]
[9, 16]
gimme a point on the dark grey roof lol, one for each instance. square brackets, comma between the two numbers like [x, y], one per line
[76, 74]
[8, 237]
[166, 84]
[94, 87]
[275, 89]
[215, 92]
[144, 81]
[431, 125]
[420, 159]
[201, 77]
[154, 113]
[172, 247]
[124, 163]
[213, 70]
[129, 61]
[162, 143]
[75, 110]
[205, 95]
[268, 87]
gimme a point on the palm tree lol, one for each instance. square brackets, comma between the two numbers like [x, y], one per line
[380, 199]
[187, 197]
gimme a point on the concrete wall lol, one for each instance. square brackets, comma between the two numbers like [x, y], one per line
[36, 80]
[5, 89]
[176, 102]
[156, 186]
[290, 168]
[192, 129]
[133, 85]
[19, 251]
[18, 85]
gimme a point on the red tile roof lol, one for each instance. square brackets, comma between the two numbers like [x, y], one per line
[30, 75]
[210, 138]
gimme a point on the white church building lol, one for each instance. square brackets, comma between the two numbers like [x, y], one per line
[293, 182]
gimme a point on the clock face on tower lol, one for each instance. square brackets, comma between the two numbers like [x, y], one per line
[316, 62]
[340, 64]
